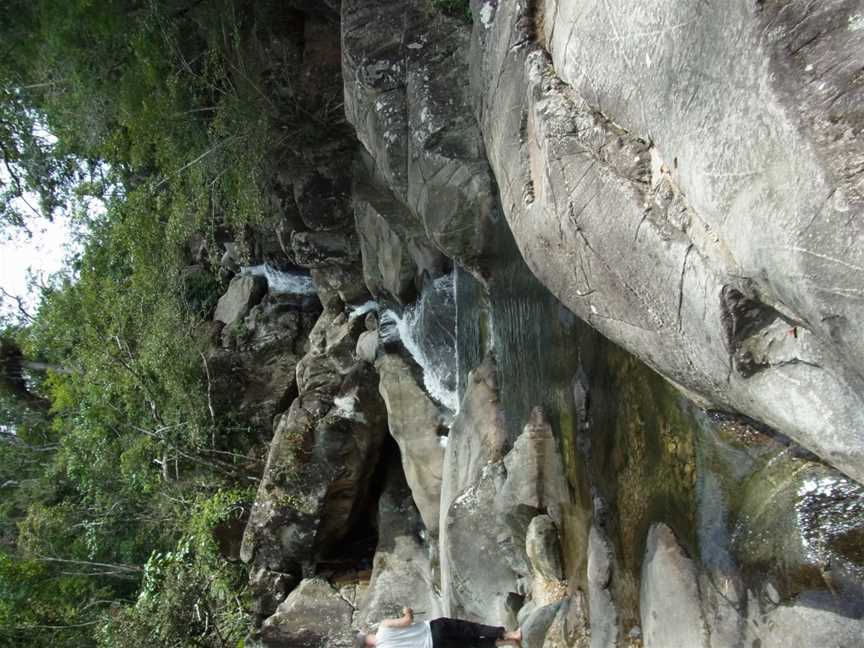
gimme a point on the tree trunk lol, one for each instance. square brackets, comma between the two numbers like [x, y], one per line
[13, 379]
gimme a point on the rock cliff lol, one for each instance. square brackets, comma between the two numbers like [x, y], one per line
[583, 355]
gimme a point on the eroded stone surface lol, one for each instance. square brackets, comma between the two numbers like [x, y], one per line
[669, 598]
[402, 573]
[716, 184]
[415, 421]
[313, 616]
[404, 66]
[322, 456]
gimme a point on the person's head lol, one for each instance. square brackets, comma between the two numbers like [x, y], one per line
[364, 639]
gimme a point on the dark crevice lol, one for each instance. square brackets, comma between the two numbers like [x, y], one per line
[356, 549]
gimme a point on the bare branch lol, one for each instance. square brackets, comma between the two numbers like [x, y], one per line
[19, 301]
[134, 569]
[209, 394]
[55, 627]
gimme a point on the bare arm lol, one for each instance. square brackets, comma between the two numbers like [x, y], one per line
[404, 621]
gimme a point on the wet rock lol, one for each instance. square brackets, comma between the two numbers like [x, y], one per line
[535, 470]
[669, 595]
[537, 625]
[731, 283]
[811, 620]
[415, 421]
[604, 615]
[243, 293]
[314, 615]
[544, 548]
[426, 330]
[801, 524]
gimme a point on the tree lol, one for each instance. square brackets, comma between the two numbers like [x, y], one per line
[160, 107]
[13, 376]
[35, 175]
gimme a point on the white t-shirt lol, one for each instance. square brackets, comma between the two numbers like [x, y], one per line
[416, 635]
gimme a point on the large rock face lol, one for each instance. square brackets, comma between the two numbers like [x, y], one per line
[684, 177]
[322, 456]
[313, 616]
[402, 572]
[415, 422]
[470, 530]
[708, 200]
[404, 67]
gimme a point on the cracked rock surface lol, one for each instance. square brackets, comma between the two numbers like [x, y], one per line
[643, 219]
[653, 177]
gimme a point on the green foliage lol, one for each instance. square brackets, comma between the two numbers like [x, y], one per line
[199, 292]
[184, 612]
[42, 607]
[456, 8]
[189, 595]
[209, 511]
[162, 109]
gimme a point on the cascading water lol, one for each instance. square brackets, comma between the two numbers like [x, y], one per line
[427, 329]
[280, 281]
[362, 309]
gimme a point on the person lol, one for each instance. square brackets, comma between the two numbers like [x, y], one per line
[404, 632]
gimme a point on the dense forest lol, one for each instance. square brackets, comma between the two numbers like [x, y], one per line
[115, 468]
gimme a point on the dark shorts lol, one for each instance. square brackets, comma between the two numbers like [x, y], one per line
[456, 633]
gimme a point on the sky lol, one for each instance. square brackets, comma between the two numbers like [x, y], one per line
[40, 255]
[44, 254]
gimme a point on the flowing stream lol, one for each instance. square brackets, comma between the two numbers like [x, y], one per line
[281, 281]
[427, 329]
[637, 452]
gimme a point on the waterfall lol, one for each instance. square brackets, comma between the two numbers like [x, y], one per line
[279, 281]
[427, 329]
[362, 309]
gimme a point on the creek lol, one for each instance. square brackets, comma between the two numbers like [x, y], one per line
[638, 452]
